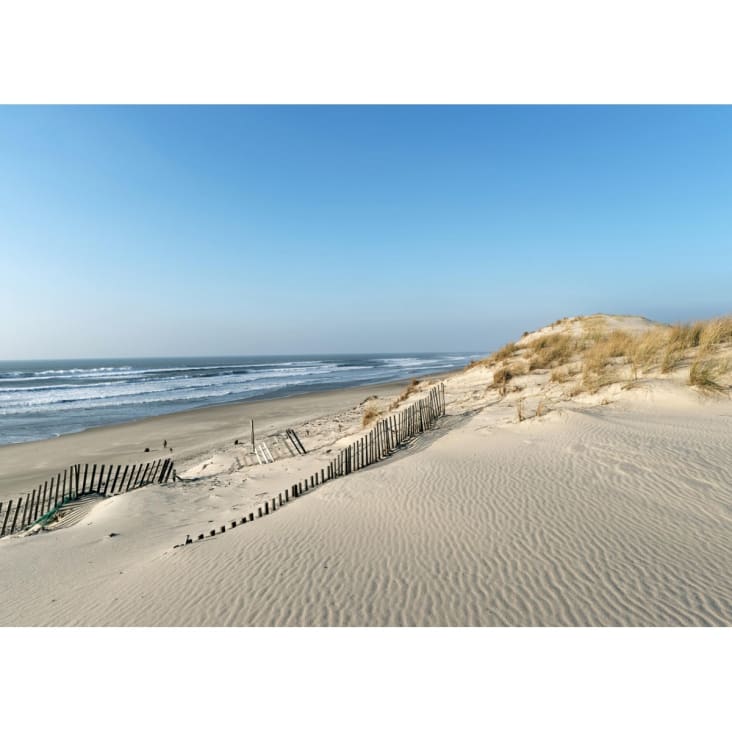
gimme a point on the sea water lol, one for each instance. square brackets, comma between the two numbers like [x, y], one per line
[42, 399]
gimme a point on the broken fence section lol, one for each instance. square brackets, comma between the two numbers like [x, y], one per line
[75, 481]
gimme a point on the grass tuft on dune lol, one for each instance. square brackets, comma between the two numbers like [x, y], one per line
[598, 351]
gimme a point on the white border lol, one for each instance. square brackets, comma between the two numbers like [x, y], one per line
[366, 679]
[375, 52]
[331, 51]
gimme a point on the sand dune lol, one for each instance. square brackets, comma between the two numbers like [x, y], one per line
[594, 514]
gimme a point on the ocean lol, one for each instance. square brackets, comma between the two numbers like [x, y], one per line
[42, 399]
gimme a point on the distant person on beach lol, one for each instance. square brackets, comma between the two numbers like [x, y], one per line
[165, 444]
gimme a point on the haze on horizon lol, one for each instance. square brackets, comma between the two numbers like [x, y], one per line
[193, 231]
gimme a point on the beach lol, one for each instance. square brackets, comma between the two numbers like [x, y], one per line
[189, 433]
[529, 504]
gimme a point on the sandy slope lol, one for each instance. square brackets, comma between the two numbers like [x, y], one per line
[605, 516]
[595, 514]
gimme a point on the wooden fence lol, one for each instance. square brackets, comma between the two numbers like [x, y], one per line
[387, 435]
[76, 481]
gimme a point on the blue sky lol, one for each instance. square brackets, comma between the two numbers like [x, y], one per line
[135, 231]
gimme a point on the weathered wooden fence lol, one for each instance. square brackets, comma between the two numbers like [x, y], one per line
[387, 435]
[75, 481]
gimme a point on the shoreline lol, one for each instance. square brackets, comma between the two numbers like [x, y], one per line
[189, 432]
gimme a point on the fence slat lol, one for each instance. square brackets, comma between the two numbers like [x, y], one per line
[17, 509]
[99, 484]
[7, 516]
[132, 475]
[34, 505]
[122, 479]
[25, 508]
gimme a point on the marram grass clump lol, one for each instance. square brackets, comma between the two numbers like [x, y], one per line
[705, 373]
[370, 414]
[411, 389]
[603, 356]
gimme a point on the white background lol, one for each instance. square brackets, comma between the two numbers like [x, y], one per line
[375, 52]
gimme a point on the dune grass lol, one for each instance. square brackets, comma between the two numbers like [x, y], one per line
[705, 372]
[505, 352]
[602, 357]
[551, 350]
[411, 389]
[370, 414]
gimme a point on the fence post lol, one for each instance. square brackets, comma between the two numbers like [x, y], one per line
[107, 490]
[99, 482]
[130, 479]
[7, 516]
[25, 508]
[17, 509]
[122, 479]
[106, 482]
[33, 505]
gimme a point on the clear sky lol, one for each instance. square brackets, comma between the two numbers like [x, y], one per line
[136, 231]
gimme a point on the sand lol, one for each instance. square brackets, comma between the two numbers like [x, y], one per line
[612, 509]
[190, 433]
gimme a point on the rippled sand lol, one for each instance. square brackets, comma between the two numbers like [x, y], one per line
[604, 515]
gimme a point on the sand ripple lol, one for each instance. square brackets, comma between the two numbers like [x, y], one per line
[600, 518]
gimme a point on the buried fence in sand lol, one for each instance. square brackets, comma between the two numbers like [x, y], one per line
[387, 435]
[50, 501]
[76, 481]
